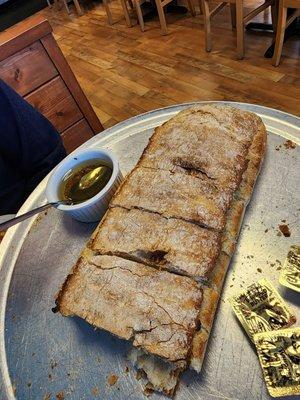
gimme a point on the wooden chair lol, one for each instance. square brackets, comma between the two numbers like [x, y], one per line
[282, 23]
[76, 4]
[65, 3]
[237, 18]
[160, 4]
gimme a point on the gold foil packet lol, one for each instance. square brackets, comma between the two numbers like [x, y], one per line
[290, 275]
[260, 308]
[279, 356]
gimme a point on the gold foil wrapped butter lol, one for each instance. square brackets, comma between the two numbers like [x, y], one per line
[260, 308]
[290, 275]
[279, 356]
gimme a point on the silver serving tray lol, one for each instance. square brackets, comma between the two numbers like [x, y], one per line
[43, 354]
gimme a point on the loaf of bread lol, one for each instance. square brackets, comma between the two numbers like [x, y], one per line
[154, 268]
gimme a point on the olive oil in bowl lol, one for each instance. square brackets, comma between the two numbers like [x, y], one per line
[84, 181]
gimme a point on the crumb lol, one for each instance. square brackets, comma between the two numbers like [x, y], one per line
[47, 396]
[112, 379]
[68, 374]
[95, 391]
[278, 261]
[283, 220]
[98, 359]
[50, 376]
[14, 388]
[139, 375]
[272, 264]
[288, 144]
[148, 390]
[285, 230]
[126, 369]
[33, 354]
[266, 230]
[278, 268]
[231, 286]
[29, 384]
[53, 364]
[279, 234]
[259, 270]
[233, 279]
[60, 396]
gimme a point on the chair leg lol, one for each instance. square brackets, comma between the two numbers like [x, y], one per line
[126, 13]
[108, 12]
[233, 15]
[200, 7]
[279, 34]
[66, 6]
[191, 7]
[162, 18]
[139, 14]
[274, 14]
[78, 8]
[239, 29]
[207, 28]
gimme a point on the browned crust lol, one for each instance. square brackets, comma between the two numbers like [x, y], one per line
[230, 235]
[256, 155]
[206, 316]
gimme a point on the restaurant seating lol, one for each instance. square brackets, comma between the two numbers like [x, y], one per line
[160, 4]
[282, 23]
[237, 17]
[34, 66]
[76, 4]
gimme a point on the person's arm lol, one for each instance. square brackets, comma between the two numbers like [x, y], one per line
[29, 148]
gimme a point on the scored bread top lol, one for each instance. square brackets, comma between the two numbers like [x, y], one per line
[175, 195]
[150, 238]
[157, 310]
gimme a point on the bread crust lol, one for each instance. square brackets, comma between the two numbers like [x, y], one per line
[230, 235]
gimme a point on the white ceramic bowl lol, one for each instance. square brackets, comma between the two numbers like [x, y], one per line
[92, 209]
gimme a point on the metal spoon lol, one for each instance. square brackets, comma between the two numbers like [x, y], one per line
[85, 182]
[91, 177]
[7, 224]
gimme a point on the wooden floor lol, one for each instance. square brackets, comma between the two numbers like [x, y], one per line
[125, 72]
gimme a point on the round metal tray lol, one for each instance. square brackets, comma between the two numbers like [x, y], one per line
[43, 355]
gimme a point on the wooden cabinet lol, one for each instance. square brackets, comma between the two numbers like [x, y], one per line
[32, 63]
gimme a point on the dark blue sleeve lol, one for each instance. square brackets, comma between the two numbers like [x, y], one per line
[29, 148]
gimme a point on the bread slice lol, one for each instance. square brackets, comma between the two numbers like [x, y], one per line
[175, 195]
[209, 148]
[156, 310]
[154, 240]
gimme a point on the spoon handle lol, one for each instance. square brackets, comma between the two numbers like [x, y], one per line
[7, 224]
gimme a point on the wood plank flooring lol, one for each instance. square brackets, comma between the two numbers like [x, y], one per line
[125, 72]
